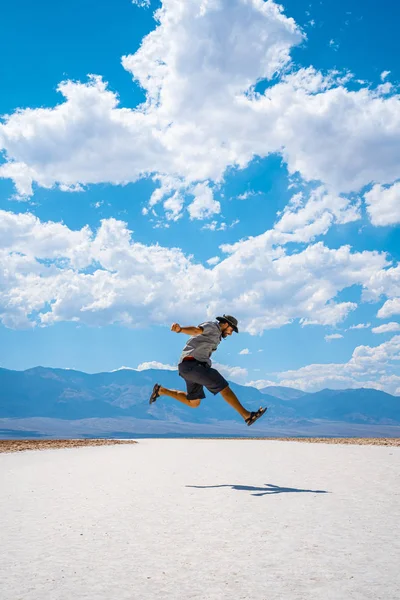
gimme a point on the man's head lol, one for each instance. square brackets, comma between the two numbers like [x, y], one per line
[228, 325]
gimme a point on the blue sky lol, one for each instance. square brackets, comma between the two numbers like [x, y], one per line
[265, 142]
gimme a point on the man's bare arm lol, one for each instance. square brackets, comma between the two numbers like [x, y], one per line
[188, 330]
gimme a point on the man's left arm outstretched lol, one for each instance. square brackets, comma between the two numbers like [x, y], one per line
[188, 330]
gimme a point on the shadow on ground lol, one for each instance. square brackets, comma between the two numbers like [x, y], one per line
[261, 491]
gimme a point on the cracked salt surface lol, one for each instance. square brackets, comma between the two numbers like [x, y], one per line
[201, 519]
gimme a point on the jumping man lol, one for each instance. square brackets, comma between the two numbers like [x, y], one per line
[195, 367]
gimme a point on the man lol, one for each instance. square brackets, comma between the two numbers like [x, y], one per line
[195, 367]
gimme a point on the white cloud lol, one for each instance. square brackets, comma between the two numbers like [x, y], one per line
[236, 374]
[374, 367]
[391, 307]
[213, 261]
[330, 158]
[384, 74]
[45, 278]
[28, 236]
[333, 336]
[214, 226]
[385, 88]
[223, 226]
[247, 195]
[173, 206]
[307, 277]
[386, 328]
[52, 273]
[61, 145]
[153, 364]
[141, 3]
[303, 219]
[261, 383]
[245, 351]
[384, 283]
[201, 115]
[168, 185]
[360, 326]
[71, 188]
[383, 204]
[203, 205]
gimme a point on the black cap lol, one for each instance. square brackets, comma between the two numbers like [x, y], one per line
[230, 320]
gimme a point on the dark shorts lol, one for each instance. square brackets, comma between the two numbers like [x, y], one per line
[198, 374]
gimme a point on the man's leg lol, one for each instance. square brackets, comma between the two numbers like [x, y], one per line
[180, 396]
[233, 400]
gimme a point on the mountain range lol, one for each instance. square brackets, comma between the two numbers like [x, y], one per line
[42, 400]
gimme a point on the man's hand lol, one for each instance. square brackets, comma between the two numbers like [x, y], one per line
[176, 327]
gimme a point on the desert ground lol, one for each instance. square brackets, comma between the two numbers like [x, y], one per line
[201, 519]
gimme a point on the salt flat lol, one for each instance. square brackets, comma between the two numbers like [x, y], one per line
[203, 519]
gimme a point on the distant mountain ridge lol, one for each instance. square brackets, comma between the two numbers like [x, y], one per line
[282, 392]
[69, 394]
[61, 394]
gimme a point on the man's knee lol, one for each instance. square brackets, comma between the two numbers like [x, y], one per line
[195, 403]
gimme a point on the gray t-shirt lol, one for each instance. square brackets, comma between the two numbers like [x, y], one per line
[203, 345]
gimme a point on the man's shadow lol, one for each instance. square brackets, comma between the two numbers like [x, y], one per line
[261, 491]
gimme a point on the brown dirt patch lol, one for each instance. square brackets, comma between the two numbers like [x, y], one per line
[321, 440]
[20, 445]
[356, 441]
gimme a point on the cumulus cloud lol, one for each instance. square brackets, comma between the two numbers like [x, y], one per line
[53, 273]
[360, 326]
[261, 383]
[223, 226]
[26, 235]
[245, 351]
[214, 226]
[333, 336]
[202, 114]
[236, 374]
[88, 138]
[308, 278]
[247, 195]
[386, 328]
[384, 283]
[306, 217]
[390, 308]
[374, 367]
[213, 261]
[203, 205]
[383, 204]
[173, 206]
[153, 364]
